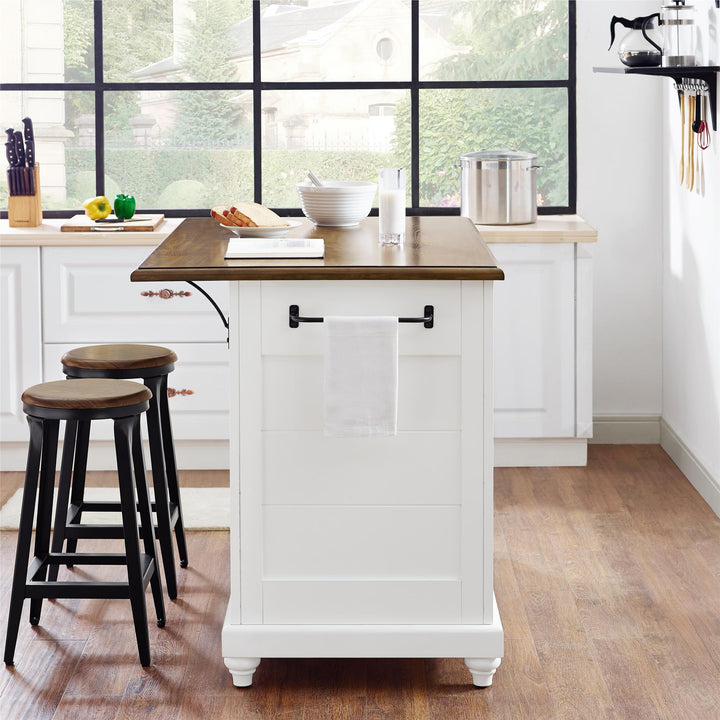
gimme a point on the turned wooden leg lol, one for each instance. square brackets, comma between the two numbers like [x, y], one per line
[482, 670]
[242, 670]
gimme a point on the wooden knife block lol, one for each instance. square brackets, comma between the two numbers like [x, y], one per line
[26, 210]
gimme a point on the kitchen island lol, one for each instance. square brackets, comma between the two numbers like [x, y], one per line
[356, 546]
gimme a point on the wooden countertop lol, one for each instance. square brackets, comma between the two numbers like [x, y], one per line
[436, 248]
[547, 229]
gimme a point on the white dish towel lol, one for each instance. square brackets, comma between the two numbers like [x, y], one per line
[361, 376]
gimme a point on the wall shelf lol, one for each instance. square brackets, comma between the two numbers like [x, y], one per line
[708, 73]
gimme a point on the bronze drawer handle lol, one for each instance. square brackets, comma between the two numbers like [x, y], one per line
[166, 293]
[172, 392]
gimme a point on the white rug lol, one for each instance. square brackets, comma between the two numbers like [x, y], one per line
[203, 508]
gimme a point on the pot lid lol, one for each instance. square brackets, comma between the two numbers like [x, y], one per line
[499, 155]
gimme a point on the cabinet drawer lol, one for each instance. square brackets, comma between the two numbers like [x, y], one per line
[197, 390]
[358, 298]
[88, 297]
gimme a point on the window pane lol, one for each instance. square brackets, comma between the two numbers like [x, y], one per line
[338, 134]
[46, 41]
[491, 40]
[180, 41]
[64, 144]
[179, 149]
[455, 122]
[338, 40]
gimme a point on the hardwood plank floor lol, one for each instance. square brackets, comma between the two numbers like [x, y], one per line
[607, 579]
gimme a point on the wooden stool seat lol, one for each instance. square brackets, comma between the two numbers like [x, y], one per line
[94, 394]
[79, 403]
[118, 357]
[151, 363]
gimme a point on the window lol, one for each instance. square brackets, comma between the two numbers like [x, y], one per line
[191, 103]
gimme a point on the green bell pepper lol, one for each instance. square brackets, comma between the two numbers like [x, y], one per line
[124, 206]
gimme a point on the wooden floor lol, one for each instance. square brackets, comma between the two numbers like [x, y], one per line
[608, 584]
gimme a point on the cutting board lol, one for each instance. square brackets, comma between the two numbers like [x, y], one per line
[140, 223]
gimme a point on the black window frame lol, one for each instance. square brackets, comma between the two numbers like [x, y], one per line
[257, 86]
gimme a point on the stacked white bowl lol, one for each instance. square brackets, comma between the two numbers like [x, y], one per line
[338, 203]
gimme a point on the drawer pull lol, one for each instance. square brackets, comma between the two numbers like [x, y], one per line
[166, 293]
[427, 320]
[172, 392]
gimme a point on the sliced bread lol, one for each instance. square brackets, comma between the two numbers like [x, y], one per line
[253, 215]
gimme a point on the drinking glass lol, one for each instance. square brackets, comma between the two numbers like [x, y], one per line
[391, 209]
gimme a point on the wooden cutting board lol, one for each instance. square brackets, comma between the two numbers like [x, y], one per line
[140, 223]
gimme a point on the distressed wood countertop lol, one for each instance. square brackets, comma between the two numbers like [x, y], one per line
[436, 248]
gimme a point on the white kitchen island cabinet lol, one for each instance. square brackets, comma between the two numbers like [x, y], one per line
[357, 546]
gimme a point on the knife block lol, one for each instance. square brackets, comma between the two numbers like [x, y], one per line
[26, 210]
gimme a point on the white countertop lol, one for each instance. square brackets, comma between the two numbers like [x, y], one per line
[547, 229]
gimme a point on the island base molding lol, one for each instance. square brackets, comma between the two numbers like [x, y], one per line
[481, 646]
[214, 454]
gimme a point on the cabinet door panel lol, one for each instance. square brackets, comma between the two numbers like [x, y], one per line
[88, 297]
[534, 341]
[20, 340]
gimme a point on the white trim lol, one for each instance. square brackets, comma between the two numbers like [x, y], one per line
[190, 455]
[540, 452]
[626, 430]
[698, 475]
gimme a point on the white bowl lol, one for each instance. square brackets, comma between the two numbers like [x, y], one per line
[337, 203]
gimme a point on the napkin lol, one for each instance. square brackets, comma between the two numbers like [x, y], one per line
[361, 376]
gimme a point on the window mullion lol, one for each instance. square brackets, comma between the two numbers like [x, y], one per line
[257, 103]
[99, 99]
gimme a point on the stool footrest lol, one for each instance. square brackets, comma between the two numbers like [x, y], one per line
[82, 589]
[74, 511]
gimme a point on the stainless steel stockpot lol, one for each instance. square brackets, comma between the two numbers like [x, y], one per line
[498, 187]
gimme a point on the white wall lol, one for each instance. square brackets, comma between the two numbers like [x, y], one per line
[691, 297]
[619, 121]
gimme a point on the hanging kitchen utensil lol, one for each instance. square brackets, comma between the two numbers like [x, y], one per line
[681, 92]
[690, 170]
[640, 47]
[704, 134]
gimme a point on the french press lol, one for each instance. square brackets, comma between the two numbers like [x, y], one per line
[677, 21]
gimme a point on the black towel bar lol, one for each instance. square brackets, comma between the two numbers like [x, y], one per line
[429, 317]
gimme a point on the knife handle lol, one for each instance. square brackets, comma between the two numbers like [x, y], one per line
[30, 153]
[19, 148]
[28, 132]
[12, 190]
[11, 134]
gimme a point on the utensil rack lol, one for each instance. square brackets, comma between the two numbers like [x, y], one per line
[427, 320]
[707, 73]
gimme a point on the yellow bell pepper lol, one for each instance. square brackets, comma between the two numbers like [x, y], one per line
[98, 207]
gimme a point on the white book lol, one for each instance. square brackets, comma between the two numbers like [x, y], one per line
[275, 248]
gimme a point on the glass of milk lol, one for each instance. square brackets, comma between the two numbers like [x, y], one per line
[391, 189]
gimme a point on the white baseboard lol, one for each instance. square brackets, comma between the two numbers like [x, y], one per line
[545, 452]
[699, 477]
[626, 430]
[190, 455]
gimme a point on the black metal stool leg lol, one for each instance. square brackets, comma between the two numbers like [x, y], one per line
[44, 510]
[123, 432]
[22, 554]
[77, 493]
[63, 498]
[162, 510]
[171, 470]
[146, 519]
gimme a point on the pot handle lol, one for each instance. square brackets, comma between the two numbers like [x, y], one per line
[533, 167]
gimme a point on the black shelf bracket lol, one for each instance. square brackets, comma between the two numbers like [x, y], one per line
[428, 319]
[225, 321]
[707, 73]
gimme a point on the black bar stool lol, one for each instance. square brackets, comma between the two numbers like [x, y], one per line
[152, 364]
[78, 402]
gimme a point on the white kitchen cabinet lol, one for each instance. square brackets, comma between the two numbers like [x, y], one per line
[88, 298]
[20, 337]
[542, 341]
